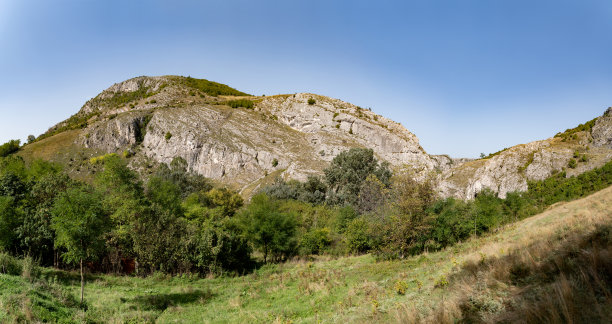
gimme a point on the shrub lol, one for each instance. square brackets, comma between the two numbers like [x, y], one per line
[168, 136]
[572, 163]
[246, 103]
[9, 147]
[10, 265]
[357, 236]
[311, 101]
[584, 158]
[315, 241]
[269, 229]
[209, 87]
[335, 115]
[275, 162]
[401, 287]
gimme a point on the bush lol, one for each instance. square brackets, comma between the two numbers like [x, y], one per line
[401, 287]
[9, 147]
[357, 236]
[572, 163]
[168, 136]
[311, 101]
[315, 241]
[246, 103]
[275, 162]
[269, 229]
[10, 265]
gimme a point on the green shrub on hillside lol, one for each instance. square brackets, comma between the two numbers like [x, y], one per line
[311, 101]
[245, 103]
[9, 147]
[209, 87]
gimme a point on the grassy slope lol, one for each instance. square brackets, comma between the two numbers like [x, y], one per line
[348, 289]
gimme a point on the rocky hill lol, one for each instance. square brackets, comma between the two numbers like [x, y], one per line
[246, 141]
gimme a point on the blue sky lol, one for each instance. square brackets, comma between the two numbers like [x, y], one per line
[465, 76]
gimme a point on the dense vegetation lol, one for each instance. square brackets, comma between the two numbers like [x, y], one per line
[9, 147]
[245, 103]
[178, 222]
[209, 87]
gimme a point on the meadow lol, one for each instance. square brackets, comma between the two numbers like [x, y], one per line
[482, 279]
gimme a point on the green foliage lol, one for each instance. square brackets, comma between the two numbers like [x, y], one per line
[221, 248]
[274, 163]
[401, 287]
[31, 139]
[311, 101]
[245, 103]
[209, 87]
[315, 241]
[270, 231]
[349, 170]
[168, 136]
[101, 158]
[9, 147]
[79, 221]
[571, 133]
[572, 163]
[358, 237]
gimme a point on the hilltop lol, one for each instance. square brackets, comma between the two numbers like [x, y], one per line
[246, 141]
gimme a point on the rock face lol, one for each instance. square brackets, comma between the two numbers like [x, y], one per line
[281, 136]
[293, 136]
[511, 169]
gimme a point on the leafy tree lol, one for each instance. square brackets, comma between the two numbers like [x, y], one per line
[315, 241]
[35, 232]
[270, 230]
[513, 204]
[228, 201]
[373, 195]
[220, 247]
[9, 147]
[313, 190]
[358, 236]
[31, 139]
[124, 200]
[9, 220]
[79, 222]
[348, 171]
[158, 237]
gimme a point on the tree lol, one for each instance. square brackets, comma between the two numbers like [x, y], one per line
[270, 230]
[9, 147]
[348, 171]
[31, 139]
[79, 222]
[373, 195]
[513, 203]
[9, 220]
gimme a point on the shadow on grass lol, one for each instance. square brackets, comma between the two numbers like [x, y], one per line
[160, 302]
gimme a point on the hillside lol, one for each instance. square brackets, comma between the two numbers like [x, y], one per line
[151, 120]
[552, 267]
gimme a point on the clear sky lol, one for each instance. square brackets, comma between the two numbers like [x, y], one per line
[465, 76]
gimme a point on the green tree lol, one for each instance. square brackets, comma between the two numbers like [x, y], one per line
[271, 231]
[348, 171]
[9, 220]
[9, 147]
[79, 222]
[31, 139]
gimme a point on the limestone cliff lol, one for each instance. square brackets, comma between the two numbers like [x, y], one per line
[154, 119]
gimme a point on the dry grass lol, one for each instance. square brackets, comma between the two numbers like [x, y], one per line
[555, 267]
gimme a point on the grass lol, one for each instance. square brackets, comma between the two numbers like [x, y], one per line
[526, 271]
